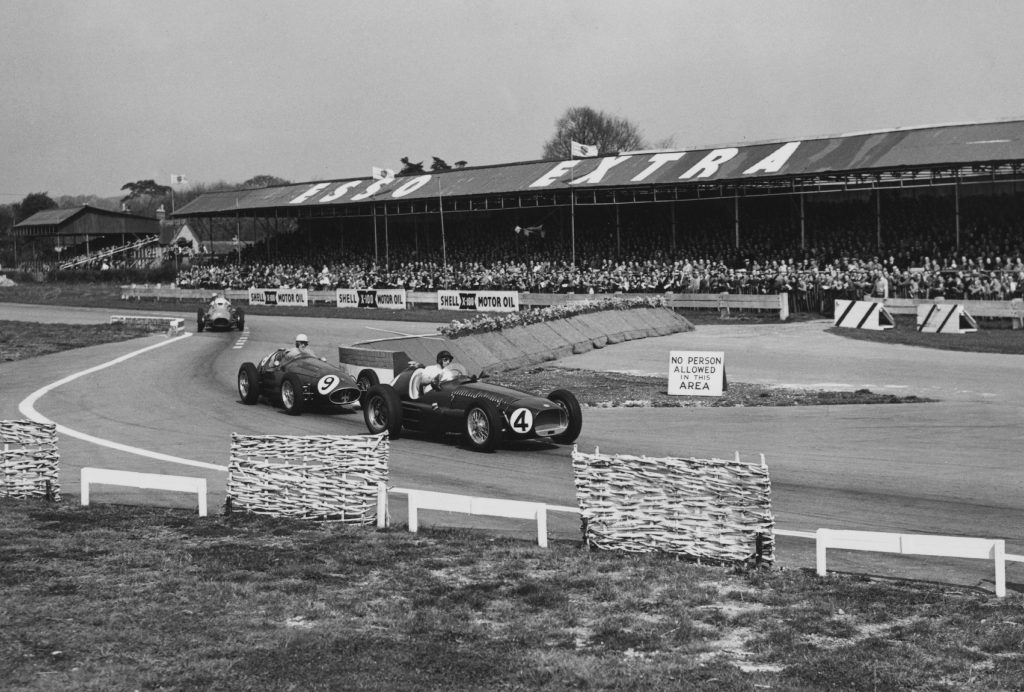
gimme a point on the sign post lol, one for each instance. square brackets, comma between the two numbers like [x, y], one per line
[696, 373]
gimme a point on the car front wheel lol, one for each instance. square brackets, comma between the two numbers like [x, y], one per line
[382, 411]
[248, 383]
[292, 397]
[367, 379]
[482, 425]
[567, 400]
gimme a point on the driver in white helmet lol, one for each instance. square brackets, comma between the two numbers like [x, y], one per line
[301, 347]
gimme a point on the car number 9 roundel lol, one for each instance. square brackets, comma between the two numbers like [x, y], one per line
[521, 420]
[326, 384]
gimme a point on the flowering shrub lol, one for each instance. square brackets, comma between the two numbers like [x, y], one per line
[496, 321]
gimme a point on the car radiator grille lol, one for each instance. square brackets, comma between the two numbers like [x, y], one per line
[550, 422]
[345, 396]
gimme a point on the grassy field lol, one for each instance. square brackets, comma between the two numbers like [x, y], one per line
[117, 598]
[135, 598]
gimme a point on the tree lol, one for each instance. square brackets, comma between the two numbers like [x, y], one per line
[440, 165]
[36, 201]
[264, 181]
[8, 255]
[409, 168]
[145, 196]
[587, 126]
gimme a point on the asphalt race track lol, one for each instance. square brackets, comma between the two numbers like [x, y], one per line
[951, 467]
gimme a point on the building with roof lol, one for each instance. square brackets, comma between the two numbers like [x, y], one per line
[615, 192]
[86, 234]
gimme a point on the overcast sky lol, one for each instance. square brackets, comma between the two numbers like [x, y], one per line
[97, 93]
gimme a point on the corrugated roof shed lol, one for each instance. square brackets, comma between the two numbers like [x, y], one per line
[85, 220]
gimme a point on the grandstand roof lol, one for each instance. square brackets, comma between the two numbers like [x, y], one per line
[881, 158]
[85, 220]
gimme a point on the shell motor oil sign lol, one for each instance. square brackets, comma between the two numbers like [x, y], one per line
[696, 373]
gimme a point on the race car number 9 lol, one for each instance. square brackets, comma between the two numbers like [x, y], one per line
[326, 383]
[521, 420]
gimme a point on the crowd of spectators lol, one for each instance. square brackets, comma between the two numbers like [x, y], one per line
[842, 259]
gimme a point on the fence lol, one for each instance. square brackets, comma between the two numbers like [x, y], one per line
[722, 302]
[150, 481]
[918, 544]
[29, 460]
[710, 509]
[323, 477]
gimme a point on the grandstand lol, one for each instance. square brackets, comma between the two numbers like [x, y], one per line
[88, 236]
[934, 211]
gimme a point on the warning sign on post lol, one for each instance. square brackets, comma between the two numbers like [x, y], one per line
[696, 373]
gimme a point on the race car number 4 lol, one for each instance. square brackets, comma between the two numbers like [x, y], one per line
[521, 420]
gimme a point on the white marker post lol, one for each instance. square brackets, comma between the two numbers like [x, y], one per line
[696, 373]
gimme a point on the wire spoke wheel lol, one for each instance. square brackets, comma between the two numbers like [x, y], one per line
[478, 427]
[287, 395]
[378, 413]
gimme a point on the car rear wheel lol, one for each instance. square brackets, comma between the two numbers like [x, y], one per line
[200, 321]
[292, 397]
[241, 320]
[482, 425]
[382, 411]
[366, 380]
[248, 383]
[567, 400]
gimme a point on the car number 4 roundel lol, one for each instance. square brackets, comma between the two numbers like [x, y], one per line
[521, 420]
[326, 383]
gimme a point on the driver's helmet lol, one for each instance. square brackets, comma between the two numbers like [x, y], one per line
[301, 340]
[443, 356]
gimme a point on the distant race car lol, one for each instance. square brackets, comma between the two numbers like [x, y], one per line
[485, 414]
[220, 314]
[296, 381]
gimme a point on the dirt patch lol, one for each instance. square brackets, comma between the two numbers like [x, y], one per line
[613, 389]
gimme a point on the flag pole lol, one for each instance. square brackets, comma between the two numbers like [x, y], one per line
[440, 209]
[376, 255]
[572, 205]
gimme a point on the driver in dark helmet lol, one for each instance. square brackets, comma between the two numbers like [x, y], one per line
[444, 370]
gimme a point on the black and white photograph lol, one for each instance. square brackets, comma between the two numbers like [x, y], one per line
[463, 345]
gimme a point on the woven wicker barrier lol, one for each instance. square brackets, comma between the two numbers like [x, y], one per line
[708, 509]
[28, 460]
[323, 477]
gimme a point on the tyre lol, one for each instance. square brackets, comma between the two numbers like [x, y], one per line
[241, 320]
[366, 380]
[383, 411]
[567, 400]
[248, 383]
[482, 425]
[293, 399]
[200, 321]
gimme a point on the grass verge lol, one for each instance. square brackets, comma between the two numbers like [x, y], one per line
[114, 598]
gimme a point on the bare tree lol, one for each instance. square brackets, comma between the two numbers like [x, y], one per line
[588, 126]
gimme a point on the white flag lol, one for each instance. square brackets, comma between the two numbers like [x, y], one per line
[179, 180]
[383, 173]
[584, 150]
